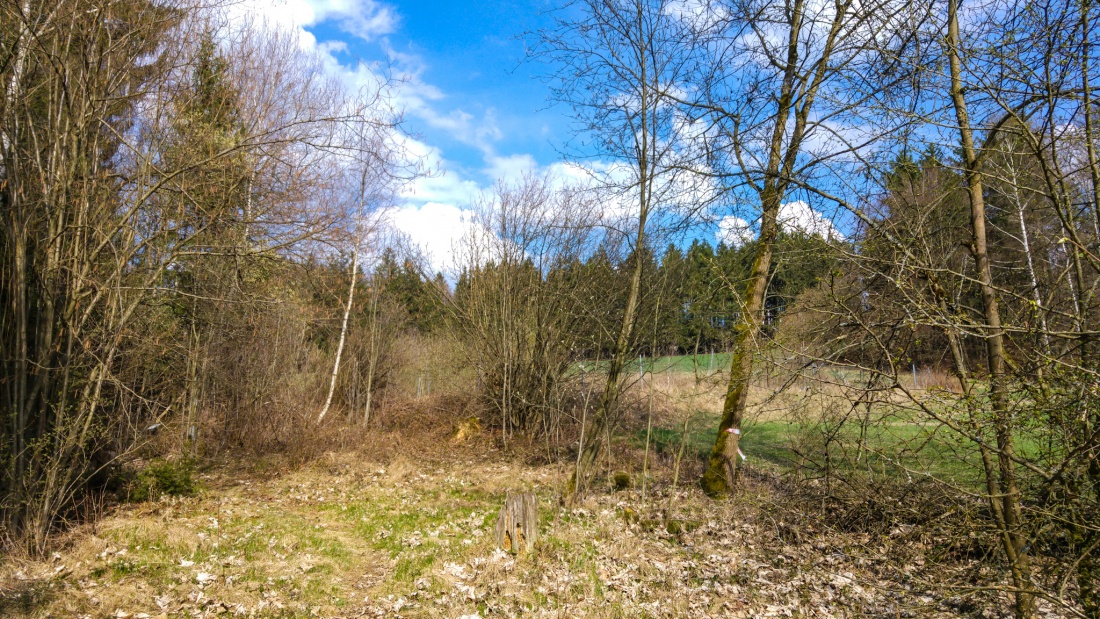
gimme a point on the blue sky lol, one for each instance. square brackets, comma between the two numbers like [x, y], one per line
[472, 95]
[476, 109]
[474, 106]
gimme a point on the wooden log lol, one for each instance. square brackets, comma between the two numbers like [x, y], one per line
[518, 523]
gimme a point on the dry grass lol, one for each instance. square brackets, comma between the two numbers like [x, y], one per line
[771, 398]
[399, 523]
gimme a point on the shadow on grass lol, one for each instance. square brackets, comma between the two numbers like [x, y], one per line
[24, 597]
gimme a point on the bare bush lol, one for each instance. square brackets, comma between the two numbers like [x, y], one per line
[517, 303]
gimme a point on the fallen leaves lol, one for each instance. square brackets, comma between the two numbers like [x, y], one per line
[303, 545]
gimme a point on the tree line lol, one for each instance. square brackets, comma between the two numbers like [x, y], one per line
[692, 307]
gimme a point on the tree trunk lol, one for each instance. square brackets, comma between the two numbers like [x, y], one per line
[721, 473]
[719, 478]
[1088, 567]
[1013, 539]
[783, 150]
[343, 330]
[517, 526]
[602, 420]
[372, 357]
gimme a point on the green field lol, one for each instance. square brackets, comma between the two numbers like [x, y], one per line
[703, 363]
[889, 450]
[898, 443]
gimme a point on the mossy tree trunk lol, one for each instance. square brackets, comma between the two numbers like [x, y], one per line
[801, 79]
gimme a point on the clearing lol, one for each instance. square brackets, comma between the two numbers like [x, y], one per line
[402, 527]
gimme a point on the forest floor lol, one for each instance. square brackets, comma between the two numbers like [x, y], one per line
[402, 527]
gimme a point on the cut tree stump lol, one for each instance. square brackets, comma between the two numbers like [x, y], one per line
[518, 524]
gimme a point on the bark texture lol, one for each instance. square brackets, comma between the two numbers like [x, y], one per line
[517, 526]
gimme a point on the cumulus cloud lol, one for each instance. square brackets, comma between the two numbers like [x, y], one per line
[432, 210]
[435, 228]
[435, 212]
[797, 216]
[365, 19]
[734, 231]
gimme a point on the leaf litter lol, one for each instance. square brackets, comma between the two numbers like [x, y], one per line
[394, 539]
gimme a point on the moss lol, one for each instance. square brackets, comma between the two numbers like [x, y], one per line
[631, 516]
[622, 481]
[677, 526]
[1088, 580]
[714, 483]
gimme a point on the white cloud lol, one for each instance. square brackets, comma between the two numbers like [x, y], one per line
[797, 216]
[436, 208]
[800, 217]
[435, 228]
[734, 231]
[441, 185]
[365, 19]
[510, 168]
[432, 210]
[422, 100]
[441, 181]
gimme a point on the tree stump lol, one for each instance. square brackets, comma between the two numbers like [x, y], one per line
[518, 523]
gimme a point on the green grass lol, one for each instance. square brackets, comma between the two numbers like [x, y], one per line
[886, 449]
[412, 565]
[901, 442]
[767, 441]
[703, 363]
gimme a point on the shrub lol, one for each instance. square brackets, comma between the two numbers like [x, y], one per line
[162, 478]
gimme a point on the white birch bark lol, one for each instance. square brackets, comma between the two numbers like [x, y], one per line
[343, 331]
[351, 297]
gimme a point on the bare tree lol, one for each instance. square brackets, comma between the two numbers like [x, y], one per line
[618, 64]
[777, 87]
[517, 304]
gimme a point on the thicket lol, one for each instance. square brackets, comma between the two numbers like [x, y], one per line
[176, 195]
